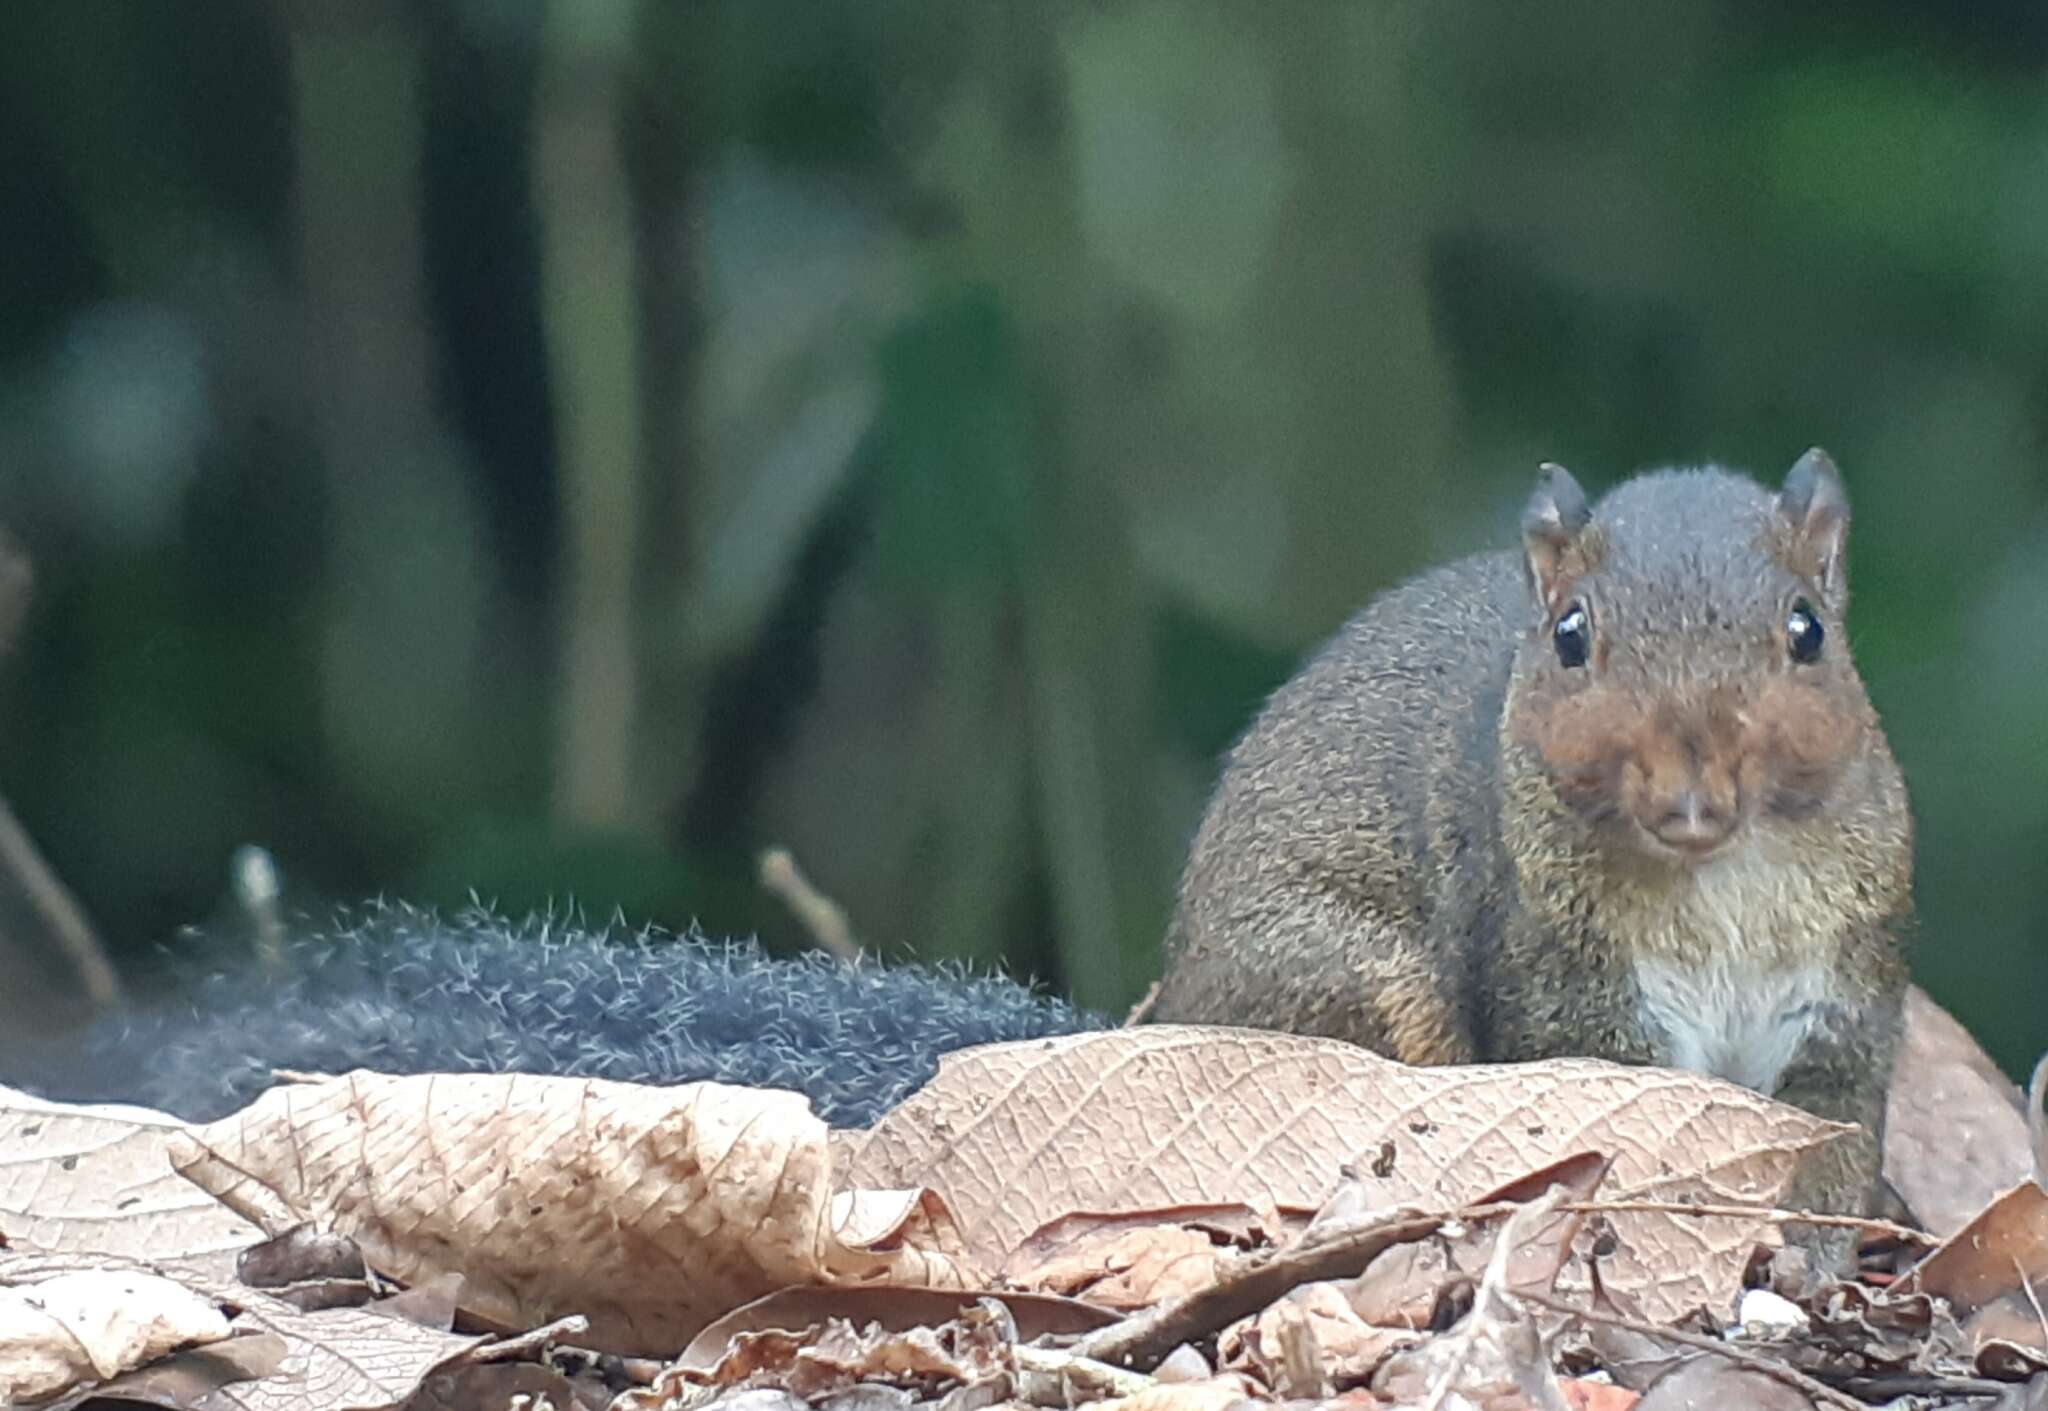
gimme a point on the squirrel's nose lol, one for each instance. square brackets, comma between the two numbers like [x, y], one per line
[1693, 825]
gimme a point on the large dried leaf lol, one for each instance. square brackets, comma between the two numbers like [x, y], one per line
[1012, 1136]
[1955, 1134]
[74, 1179]
[649, 1210]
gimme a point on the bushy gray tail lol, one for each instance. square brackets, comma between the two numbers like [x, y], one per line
[402, 990]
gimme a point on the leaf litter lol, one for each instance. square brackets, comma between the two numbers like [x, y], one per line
[1145, 1218]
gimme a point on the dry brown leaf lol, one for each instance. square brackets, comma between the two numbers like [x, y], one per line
[75, 1179]
[1129, 1268]
[1233, 1226]
[1351, 1347]
[1994, 1274]
[68, 1330]
[1012, 1136]
[649, 1210]
[1955, 1133]
[342, 1357]
[890, 1308]
[972, 1347]
[1400, 1288]
[197, 1379]
[335, 1357]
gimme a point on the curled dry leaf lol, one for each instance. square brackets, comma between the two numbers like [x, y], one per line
[75, 1179]
[1130, 1268]
[342, 1357]
[1495, 1354]
[650, 1210]
[890, 1309]
[277, 1357]
[1015, 1135]
[1351, 1347]
[1994, 1271]
[971, 1348]
[1955, 1134]
[88, 1326]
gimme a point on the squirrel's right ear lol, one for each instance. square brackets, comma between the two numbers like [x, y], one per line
[1813, 514]
[1556, 515]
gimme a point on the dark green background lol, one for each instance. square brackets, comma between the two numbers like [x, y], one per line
[556, 450]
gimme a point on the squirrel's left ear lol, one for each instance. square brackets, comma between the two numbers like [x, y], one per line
[1813, 514]
[1553, 528]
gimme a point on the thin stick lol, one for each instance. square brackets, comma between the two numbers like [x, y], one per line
[59, 910]
[2033, 1298]
[538, 1340]
[1143, 1007]
[2037, 1121]
[1884, 1386]
[1143, 1340]
[1770, 1216]
[1777, 1371]
[1083, 1373]
[824, 918]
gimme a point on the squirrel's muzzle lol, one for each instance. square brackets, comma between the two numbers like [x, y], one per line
[1692, 824]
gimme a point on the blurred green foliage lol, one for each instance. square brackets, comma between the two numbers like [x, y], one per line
[1020, 390]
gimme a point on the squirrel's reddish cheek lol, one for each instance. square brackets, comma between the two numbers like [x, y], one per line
[1586, 742]
[1802, 735]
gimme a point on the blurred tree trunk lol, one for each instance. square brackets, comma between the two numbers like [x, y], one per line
[406, 582]
[1086, 611]
[590, 306]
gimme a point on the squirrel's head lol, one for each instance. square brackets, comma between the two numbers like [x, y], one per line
[1685, 675]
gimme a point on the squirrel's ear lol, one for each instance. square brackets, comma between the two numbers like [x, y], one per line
[1551, 524]
[1813, 515]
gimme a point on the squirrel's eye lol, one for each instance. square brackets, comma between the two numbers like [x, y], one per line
[1803, 632]
[1573, 635]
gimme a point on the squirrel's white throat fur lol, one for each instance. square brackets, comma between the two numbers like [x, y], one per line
[1734, 963]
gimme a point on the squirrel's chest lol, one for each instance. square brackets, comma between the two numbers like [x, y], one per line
[1734, 972]
[1734, 1021]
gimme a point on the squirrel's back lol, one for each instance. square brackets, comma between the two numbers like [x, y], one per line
[1369, 774]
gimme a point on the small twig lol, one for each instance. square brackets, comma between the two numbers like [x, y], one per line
[1246, 1287]
[1770, 1216]
[531, 1343]
[1777, 1371]
[2037, 1121]
[59, 910]
[1085, 1374]
[1143, 1008]
[252, 874]
[2027, 1286]
[824, 918]
[1887, 1386]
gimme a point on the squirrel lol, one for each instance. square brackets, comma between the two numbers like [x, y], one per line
[1619, 795]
